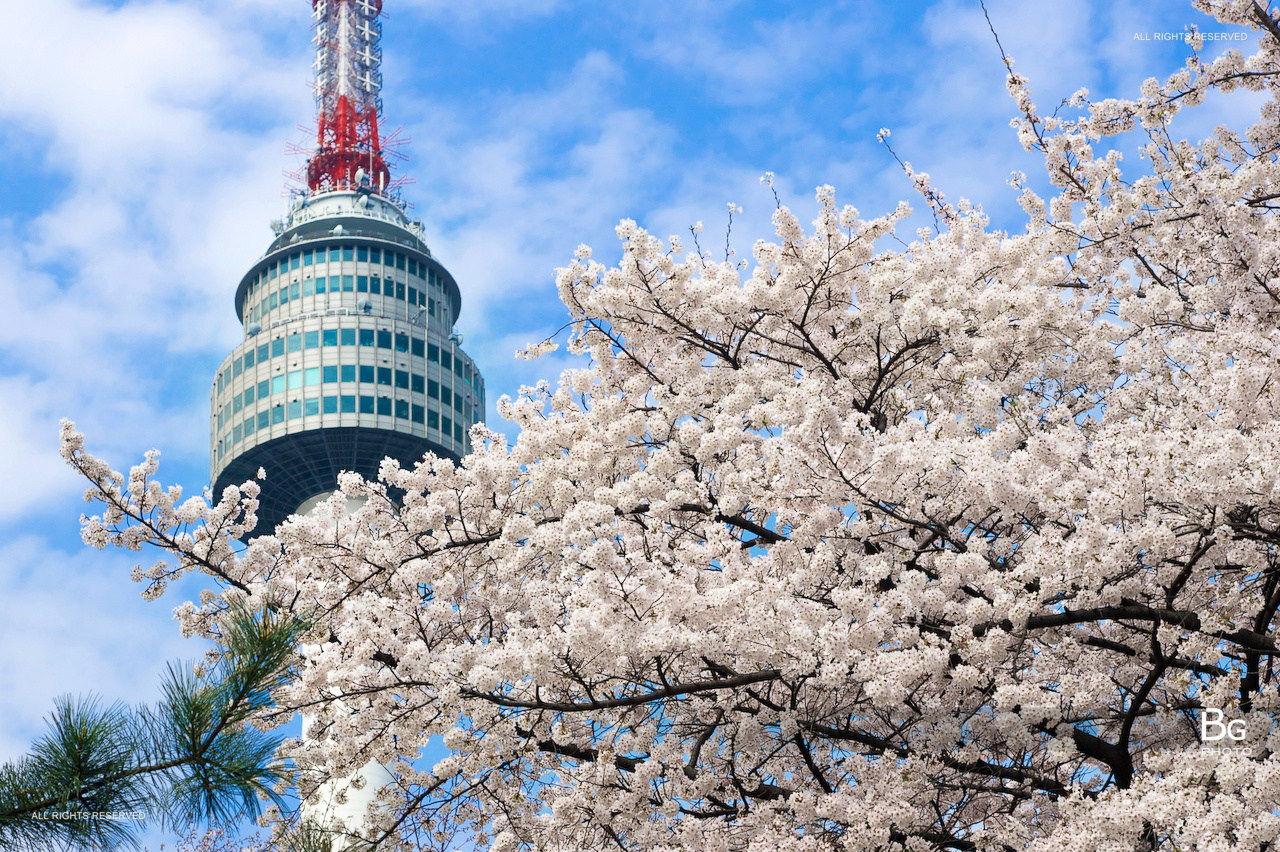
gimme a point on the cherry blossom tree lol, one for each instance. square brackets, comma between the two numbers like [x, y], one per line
[959, 543]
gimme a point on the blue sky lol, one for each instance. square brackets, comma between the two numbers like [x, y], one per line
[143, 147]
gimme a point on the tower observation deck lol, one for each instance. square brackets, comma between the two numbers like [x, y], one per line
[349, 353]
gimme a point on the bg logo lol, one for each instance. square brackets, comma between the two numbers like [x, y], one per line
[1214, 730]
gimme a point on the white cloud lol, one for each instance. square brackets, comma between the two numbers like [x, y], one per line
[71, 623]
[702, 40]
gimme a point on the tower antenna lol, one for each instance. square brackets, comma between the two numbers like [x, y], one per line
[348, 66]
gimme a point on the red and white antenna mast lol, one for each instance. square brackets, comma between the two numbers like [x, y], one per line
[349, 153]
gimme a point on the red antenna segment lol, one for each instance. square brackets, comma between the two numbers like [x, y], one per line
[349, 154]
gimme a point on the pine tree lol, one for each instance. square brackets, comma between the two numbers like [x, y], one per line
[102, 772]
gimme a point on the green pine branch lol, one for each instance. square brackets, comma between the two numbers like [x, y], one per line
[100, 774]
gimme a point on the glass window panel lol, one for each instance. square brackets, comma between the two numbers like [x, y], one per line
[330, 405]
[295, 409]
[295, 342]
[417, 382]
[384, 339]
[417, 414]
[348, 253]
[312, 376]
[433, 353]
[277, 347]
[262, 353]
[330, 373]
[362, 253]
[311, 405]
[348, 336]
[277, 384]
[433, 420]
[329, 337]
[348, 404]
[311, 340]
[375, 285]
[264, 388]
[384, 405]
[295, 379]
[384, 376]
[402, 379]
[367, 337]
[348, 372]
[264, 419]
[416, 346]
[366, 405]
[362, 283]
[367, 373]
[433, 389]
[402, 411]
[348, 283]
[277, 413]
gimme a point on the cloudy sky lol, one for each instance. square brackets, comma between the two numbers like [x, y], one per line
[144, 147]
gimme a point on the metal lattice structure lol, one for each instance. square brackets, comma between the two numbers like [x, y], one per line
[348, 69]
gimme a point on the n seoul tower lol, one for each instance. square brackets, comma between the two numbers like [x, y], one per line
[349, 353]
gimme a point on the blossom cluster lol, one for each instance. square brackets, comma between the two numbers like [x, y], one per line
[942, 545]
